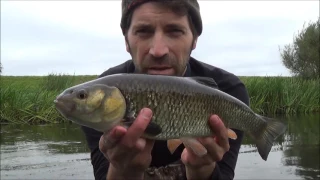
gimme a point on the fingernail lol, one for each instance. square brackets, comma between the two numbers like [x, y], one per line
[147, 113]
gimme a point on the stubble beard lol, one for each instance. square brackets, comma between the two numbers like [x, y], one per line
[179, 67]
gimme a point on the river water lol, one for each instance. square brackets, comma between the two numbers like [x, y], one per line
[59, 151]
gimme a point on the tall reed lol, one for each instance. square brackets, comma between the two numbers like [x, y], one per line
[283, 95]
[58, 82]
[29, 100]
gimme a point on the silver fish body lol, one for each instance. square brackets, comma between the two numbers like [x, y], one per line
[181, 107]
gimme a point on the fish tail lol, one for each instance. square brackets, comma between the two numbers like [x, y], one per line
[265, 138]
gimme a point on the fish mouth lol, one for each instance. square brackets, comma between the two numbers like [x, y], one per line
[64, 106]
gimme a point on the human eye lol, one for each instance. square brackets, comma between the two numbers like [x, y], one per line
[143, 31]
[176, 32]
[139, 31]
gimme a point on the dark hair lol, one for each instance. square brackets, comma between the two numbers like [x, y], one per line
[177, 7]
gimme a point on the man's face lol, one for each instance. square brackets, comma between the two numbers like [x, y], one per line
[159, 41]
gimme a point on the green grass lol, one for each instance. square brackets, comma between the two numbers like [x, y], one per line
[283, 95]
[29, 99]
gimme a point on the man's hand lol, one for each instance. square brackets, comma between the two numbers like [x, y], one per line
[128, 154]
[202, 167]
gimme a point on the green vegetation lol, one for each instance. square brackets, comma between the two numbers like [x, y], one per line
[283, 95]
[302, 57]
[29, 100]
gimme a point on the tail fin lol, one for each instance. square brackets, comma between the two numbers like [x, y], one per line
[264, 140]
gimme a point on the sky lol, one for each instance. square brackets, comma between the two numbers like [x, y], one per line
[84, 37]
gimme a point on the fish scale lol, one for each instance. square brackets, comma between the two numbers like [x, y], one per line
[201, 102]
[177, 125]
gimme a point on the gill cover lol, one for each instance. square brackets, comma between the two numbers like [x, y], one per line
[99, 105]
[103, 107]
[114, 105]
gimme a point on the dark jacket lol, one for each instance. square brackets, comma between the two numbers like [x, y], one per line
[161, 156]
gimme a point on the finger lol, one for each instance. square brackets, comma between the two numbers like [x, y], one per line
[220, 132]
[145, 145]
[146, 149]
[109, 140]
[139, 159]
[140, 144]
[192, 160]
[136, 130]
[149, 145]
[114, 136]
[145, 156]
[215, 151]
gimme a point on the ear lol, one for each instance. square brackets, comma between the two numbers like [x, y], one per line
[194, 45]
[127, 47]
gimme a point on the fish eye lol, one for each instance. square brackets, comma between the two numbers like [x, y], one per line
[82, 94]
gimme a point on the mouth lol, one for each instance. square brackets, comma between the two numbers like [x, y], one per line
[63, 107]
[161, 70]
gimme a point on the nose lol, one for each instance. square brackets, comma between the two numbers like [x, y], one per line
[159, 47]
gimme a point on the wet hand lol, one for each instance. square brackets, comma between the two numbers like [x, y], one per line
[217, 146]
[126, 151]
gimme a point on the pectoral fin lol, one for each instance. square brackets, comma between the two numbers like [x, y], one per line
[153, 129]
[232, 134]
[173, 144]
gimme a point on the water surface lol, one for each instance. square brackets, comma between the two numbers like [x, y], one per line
[60, 151]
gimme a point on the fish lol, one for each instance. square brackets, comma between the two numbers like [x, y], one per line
[181, 109]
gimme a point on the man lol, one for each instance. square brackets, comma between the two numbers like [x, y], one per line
[160, 36]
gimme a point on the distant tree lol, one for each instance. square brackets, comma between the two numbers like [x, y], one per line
[302, 57]
[0, 68]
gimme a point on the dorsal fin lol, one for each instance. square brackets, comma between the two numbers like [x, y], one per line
[205, 81]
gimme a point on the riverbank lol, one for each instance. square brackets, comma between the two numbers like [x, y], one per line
[29, 99]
